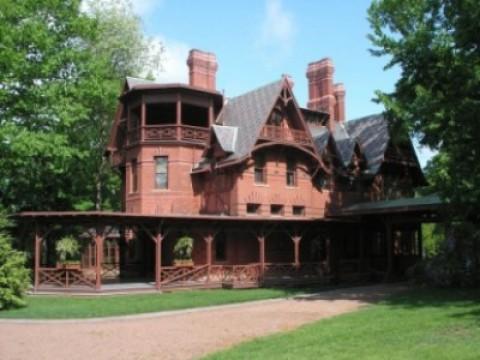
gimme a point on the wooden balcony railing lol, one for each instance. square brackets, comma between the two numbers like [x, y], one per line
[153, 133]
[276, 133]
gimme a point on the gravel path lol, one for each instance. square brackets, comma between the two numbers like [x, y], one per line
[177, 335]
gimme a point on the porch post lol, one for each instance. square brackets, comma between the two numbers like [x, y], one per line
[143, 118]
[389, 239]
[296, 242]
[208, 242]
[261, 244]
[420, 241]
[158, 239]
[38, 244]
[99, 237]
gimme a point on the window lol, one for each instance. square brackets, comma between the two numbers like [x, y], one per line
[276, 209]
[161, 172]
[134, 170]
[260, 176]
[298, 210]
[220, 247]
[253, 208]
[291, 172]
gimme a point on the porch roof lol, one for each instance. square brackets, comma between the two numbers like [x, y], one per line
[125, 217]
[402, 205]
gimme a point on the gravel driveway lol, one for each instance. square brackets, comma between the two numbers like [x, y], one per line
[176, 335]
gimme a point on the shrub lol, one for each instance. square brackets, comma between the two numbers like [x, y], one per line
[183, 248]
[14, 277]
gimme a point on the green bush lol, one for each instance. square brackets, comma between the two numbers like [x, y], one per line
[14, 277]
[183, 248]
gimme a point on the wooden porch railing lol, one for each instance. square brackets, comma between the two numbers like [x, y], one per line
[64, 277]
[153, 133]
[277, 133]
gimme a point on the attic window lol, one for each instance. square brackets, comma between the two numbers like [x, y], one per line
[194, 115]
[161, 114]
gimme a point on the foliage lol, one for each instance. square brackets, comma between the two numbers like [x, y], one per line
[14, 277]
[61, 307]
[419, 324]
[61, 71]
[435, 45]
[432, 237]
[67, 248]
[183, 248]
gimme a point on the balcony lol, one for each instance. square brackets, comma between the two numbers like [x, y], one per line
[276, 133]
[168, 133]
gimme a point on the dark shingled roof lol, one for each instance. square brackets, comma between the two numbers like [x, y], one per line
[248, 112]
[344, 144]
[320, 137]
[371, 133]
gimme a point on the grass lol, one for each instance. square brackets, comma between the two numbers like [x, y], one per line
[77, 307]
[420, 324]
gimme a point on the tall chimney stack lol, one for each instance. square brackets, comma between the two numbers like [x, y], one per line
[320, 86]
[202, 69]
[339, 91]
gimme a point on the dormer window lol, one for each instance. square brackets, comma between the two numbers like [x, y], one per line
[259, 169]
[276, 118]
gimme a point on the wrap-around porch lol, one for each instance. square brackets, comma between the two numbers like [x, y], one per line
[126, 252]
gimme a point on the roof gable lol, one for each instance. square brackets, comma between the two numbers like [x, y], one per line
[248, 113]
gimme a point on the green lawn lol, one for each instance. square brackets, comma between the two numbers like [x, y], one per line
[69, 307]
[421, 324]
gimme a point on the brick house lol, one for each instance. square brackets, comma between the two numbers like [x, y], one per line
[268, 190]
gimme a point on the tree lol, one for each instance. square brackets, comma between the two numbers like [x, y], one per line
[436, 45]
[14, 277]
[61, 70]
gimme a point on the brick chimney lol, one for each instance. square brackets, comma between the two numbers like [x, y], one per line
[202, 69]
[339, 91]
[320, 86]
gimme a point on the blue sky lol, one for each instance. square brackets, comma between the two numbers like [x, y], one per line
[256, 41]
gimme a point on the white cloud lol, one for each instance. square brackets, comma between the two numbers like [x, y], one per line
[174, 61]
[144, 7]
[277, 31]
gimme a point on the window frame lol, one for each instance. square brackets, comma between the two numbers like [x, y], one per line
[257, 207]
[298, 213]
[157, 172]
[291, 172]
[259, 170]
[281, 208]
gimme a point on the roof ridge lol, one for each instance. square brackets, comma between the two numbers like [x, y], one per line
[255, 89]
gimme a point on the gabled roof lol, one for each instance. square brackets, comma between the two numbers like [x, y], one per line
[344, 144]
[226, 137]
[320, 137]
[248, 113]
[371, 133]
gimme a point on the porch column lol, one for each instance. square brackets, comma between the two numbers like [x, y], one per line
[208, 243]
[296, 242]
[158, 239]
[99, 238]
[38, 245]
[261, 257]
[389, 240]
[420, 241]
